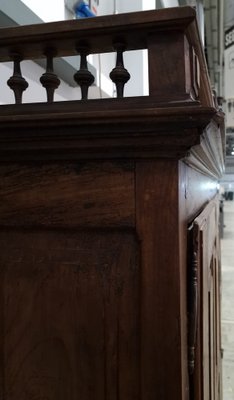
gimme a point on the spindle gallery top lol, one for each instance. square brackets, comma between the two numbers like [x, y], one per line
[31, 40]
[166, 123]
[177, 66]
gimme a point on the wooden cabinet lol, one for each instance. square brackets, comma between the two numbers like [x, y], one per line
[206, 261]
[106, 292]
[94, 278]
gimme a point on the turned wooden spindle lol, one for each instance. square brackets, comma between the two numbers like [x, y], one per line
[83, 76]
[16, 82]
[119, 75]
[49, 79]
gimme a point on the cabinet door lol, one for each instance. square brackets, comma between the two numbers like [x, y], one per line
[204, 306]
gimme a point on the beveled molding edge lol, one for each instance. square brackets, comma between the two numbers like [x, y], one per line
[207, 157]
[135, 128]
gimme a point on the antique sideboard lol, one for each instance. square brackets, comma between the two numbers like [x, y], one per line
[110, 256]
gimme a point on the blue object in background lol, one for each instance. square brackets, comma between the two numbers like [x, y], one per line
[82, 10]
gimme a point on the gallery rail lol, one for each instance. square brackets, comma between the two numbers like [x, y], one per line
[169, 46]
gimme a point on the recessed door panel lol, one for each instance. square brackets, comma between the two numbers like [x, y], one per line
[70, 313]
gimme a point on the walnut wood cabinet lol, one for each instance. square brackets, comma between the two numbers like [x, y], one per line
[206, 260]
[109, 226]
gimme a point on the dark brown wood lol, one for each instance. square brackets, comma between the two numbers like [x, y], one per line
[156, 207]
[96, 200]
[119, 75]
[83, 77]
[17, 82]
[195, 74]
[77, 195]
[49, 79]
[71, 325]
[99, 32]
[171, 37]
[169, 78]
[207, 379]
[196, 189]
[88, 130]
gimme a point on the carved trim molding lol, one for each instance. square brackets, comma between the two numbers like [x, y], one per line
[207, 156]
[193, 311]
[195, 73]
[130, 128]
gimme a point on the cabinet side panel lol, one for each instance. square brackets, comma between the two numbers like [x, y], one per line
[157, 226]
[195, 190]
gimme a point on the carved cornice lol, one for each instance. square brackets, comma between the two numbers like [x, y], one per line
[107, 129]
[207, 156]
[130, 128]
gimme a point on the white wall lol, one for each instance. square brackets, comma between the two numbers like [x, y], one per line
[53, 10]
[148, 4]
[227, 182]
[47, 10]
[170, 3]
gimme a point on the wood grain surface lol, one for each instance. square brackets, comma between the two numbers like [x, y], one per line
[71, 315]
[95, 202]
[67, 194]
[157, 221]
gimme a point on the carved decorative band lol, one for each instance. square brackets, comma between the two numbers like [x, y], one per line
[193, 310]
[195, 73]
[207, 157]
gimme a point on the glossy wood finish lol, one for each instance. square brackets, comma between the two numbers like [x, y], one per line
[207, 375]
[157, 191]
[96, 201]
[100, 32]
[17, 82]
[119, 75]
[168, 83]
[101, 129]
[68, 195]
[83, 76]
[49, 79]
[71, 318]
[172, 33]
